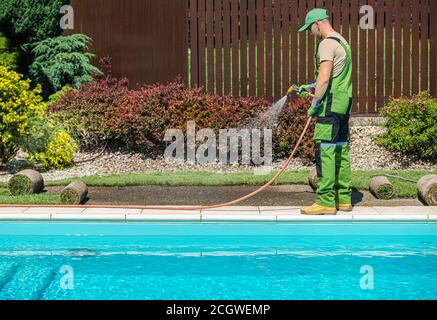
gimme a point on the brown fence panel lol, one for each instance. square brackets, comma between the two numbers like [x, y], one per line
[268, 54]
[146, 39]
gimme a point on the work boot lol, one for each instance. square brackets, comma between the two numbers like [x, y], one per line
[318, 210]
[344, 207]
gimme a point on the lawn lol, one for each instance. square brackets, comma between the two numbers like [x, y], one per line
[187, 178]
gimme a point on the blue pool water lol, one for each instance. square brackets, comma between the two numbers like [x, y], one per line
[217, 261]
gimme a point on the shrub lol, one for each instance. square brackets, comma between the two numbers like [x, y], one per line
[291, 122]
[411, 126]
[8, 57]
[20, 106]
[105, 110]
[30, 21]
[62, 61]
[86, 113]
[54, 98]
[49, 145]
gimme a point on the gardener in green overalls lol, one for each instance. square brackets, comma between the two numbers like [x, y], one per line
[332, 106]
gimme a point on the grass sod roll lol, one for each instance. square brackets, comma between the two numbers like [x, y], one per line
[381, 188]
[26, 182]
[427, 189]
[312, 178]
[75, 193]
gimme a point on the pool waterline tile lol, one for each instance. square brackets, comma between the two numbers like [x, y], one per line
[89, 217]
[104, 211]
[54, 210]
[404, 210]
[413, 218]
[238, 217]
[163, 217]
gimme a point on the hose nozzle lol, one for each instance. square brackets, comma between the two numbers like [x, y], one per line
[293, 88]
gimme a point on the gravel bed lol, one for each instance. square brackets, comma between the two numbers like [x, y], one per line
[365, 155]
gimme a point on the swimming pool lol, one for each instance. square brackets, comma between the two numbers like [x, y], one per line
[217, 261]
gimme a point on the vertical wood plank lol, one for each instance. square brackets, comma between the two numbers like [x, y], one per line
[433, 62]
[398, 49]
[302, 44]
[194, 60]
[311, 38]
[285, 45]
[210, 45]
[407, 47]
[389, 51]
[336, 15]
[227, 46]
[201, 13]
[294, 27]
[269, 48]
[252, 53]
[235, 49]
[424, 31]
[243, 39]
[380, 55]
[354, 48]
[260, 48]
[345, 19]
[218, 46]
[415, 48]
[371, 66]
[277, 49]
[363, 95]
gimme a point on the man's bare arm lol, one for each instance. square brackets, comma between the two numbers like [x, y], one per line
[325, 70]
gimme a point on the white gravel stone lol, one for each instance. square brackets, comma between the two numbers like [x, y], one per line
[365, 155]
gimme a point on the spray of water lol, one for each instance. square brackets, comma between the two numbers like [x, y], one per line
[269, 119]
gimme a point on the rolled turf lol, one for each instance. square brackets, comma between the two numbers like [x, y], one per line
[312, 178]
[427, 189]
[75, 193]
[26, 182]
[381, 188]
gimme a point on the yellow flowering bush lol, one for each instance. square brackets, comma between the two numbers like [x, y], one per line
[20, 106]
[57, 152]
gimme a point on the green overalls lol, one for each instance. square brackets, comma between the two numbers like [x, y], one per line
[331, 137]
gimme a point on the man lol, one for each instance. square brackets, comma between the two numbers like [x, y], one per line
[332, 106]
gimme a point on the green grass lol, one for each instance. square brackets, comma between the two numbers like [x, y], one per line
[360, 180]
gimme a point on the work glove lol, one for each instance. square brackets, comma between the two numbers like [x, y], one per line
[302, 91]
[314, 109]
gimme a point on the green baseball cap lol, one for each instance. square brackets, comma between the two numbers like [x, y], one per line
[314, 15]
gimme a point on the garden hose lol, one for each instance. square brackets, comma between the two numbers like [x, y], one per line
[214, 206]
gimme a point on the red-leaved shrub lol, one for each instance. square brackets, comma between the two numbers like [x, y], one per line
[105, 110]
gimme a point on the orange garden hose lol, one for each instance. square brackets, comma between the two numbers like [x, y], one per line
[201, 207]
[195, 208]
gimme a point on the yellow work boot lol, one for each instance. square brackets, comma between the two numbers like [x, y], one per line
[318, 210]
[344, 207]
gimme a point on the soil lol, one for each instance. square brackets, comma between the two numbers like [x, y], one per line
[284, 195]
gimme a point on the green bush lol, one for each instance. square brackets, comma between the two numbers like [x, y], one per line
[8, 57]
[62, 61]
[50, 145]
[411, 126]
[30, 21]
[54, 98]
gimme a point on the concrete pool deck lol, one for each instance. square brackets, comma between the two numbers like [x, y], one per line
[252, 214]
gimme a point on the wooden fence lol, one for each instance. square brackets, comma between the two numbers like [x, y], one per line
[252, 47]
